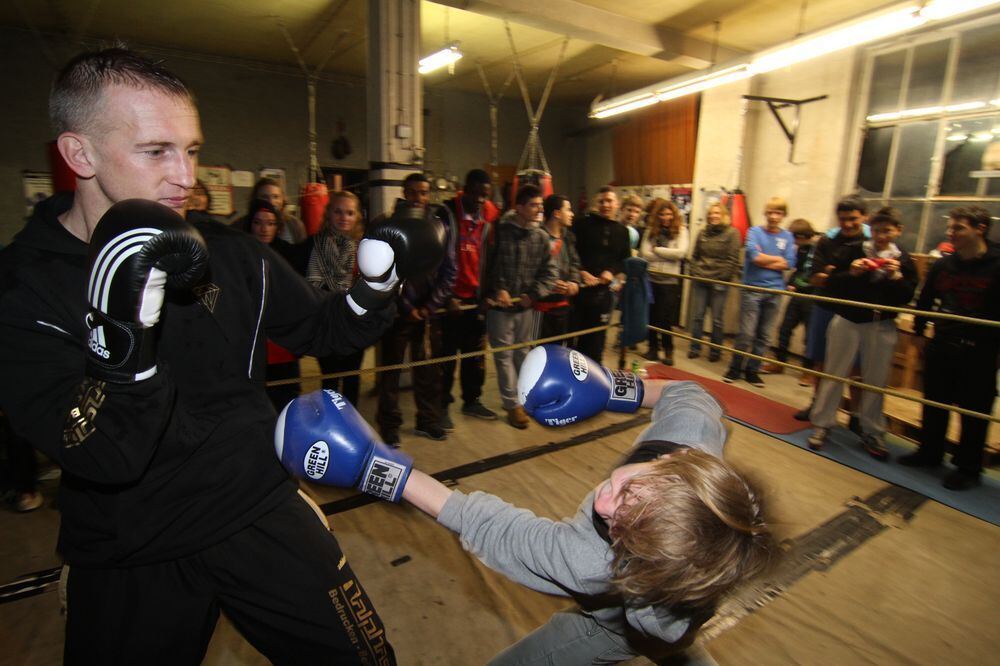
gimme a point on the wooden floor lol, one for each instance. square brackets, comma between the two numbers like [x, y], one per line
[922, 589]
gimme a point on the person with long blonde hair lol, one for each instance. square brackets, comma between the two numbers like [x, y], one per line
[716, 255]
[332, 266]
[664, 245]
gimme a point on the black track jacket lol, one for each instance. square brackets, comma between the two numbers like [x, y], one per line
[165, 467]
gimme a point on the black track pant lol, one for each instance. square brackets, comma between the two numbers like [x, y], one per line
[464, 332]
[346, 386]
[664, 312]
[555, 322]
[964, 374]
[796, 313]
[282, 581]
[592, 308]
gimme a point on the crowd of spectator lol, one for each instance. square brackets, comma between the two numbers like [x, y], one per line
[542, 269]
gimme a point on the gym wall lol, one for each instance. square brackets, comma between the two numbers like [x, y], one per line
[822, 160]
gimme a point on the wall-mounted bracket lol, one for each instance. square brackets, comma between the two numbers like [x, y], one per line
[774, 104]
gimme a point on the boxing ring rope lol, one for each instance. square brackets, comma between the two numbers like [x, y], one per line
[839, 301]
[843, 380]
[781, 292]
[443, 359]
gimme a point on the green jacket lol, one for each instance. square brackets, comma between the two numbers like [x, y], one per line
[716, 253]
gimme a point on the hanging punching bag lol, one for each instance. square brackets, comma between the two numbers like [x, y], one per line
[540, 179]
[312, 206]
[738, 215]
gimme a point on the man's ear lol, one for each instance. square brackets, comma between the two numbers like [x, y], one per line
[78, 153]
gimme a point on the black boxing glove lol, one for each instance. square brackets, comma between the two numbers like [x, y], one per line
[138, 248]
[416, 237]
[411, 242]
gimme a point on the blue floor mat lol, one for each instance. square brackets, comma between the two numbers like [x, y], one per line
[844, 447]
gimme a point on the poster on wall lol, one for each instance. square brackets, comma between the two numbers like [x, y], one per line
[218, 182]
[37, 187]
[681, 196]
[242, 179]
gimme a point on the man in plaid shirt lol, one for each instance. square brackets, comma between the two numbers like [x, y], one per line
[518, 265]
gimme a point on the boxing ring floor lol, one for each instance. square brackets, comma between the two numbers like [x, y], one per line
[872, 575]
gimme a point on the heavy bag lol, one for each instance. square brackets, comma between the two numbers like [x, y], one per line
[738, 215]
[312, 206]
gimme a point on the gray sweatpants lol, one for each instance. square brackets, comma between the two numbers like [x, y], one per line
[507, 328]
[877, 342]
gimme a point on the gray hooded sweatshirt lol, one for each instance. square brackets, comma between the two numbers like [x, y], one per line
[569, 557]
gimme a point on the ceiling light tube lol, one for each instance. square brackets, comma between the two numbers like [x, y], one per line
[678, 87]
[704, 82]
[944, 9]
[636, 103]
[840, 37]
[965, 106]
[875, 26]
[442, 58]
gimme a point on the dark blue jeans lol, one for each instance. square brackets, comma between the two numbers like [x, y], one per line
[703, 296]
[757, 313]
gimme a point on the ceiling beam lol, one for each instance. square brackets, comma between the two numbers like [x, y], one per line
[598, 26]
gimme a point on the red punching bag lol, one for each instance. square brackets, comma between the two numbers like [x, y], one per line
[540, 179]
[63, 178]
[312, 206]
[738, 215]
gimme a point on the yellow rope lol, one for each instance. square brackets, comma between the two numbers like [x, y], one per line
[555, 338]
[840, 301]
[442, 359]
[842, 380]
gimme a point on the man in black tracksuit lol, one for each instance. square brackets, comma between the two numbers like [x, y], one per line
[174, 505]
[960, 361]
[603, 246]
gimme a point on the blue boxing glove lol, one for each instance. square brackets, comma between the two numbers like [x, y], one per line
[321, 437]
[558, 386]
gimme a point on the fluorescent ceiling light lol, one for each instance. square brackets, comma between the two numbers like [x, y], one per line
[928, 111]
[704, 82]
[942, 9]
[846, 35]
[627, 106]
[965, 106]
[956, 137]
[442, 58]
[875, 26]
[979, 137]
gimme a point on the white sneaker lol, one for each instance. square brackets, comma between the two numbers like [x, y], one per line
[817, 440]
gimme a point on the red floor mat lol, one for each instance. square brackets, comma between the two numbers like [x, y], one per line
[740, 403]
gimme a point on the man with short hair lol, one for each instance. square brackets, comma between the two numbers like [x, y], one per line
[519, 266]
[632, 215]
[555, 309]
[960, 361]
[770, 251]
[832, 250]
[174, 506]
[603, 245]
[876, 272]
[422, 297]
[464, 327]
